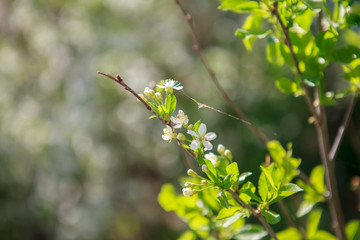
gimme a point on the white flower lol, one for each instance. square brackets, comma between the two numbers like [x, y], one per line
[212, 157]
[202, 138]
[169, 85]
[168, 133]
[188, 192]
[180, 119]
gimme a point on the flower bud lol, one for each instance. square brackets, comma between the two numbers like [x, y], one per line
[188, 192]
[190, 127]
[181, 137]
[204, 182]
[228, 154]
[149, 93]
[204, 168]
[142, 97]
[221, 149]
[159, 97]
[192, 173]
[188, 184]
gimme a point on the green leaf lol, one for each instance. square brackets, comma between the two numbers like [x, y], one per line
[243, 177]
[346, 54]
[249, 33]
[188, 235]
[251, 232]
[323, 235]
[248, 189]
[313, 222]
[271, 216]
[352, 230]
[327, 40]
[223, 200]
[305, 208]
[170, 103]
[239, 6]
[228, 212]
[273, 53]
[315, 5]
[227, 181]
[289, 233]
[197, 125]
[285, 85]
[317, 178]
[289, 189]
[212, 172]
[234, 169]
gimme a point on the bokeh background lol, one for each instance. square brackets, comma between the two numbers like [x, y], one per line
[79, 158]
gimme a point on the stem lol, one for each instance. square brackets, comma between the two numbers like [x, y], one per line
[256, 214]
[196, 47]
[323, 139]
[341, 131]
[120, 81]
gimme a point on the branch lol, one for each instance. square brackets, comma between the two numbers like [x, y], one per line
[256, 214]
[196, 47]
[120, 81]
[323, 138]
[341, 131]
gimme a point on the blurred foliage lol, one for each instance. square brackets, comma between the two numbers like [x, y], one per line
[79, 159]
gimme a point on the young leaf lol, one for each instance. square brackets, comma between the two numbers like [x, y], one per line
[289, 189]
[234, 169]
[170, 103]
[248, 189]
[240, 6]
[227, 181]
[228, 212]
[251, 232]
[271, 216]
[223, 200]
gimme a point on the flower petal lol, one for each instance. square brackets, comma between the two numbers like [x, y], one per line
[195, 144]
[207, 145]
[192, 133]
[202, 129]
[210, 136]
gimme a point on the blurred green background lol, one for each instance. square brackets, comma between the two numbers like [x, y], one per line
[80, 159]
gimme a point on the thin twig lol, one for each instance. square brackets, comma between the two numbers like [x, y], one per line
[341, 131]
[196, 47]
[255, 213]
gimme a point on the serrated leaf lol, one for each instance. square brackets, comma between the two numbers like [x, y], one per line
[228, 212]
[271, 216]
